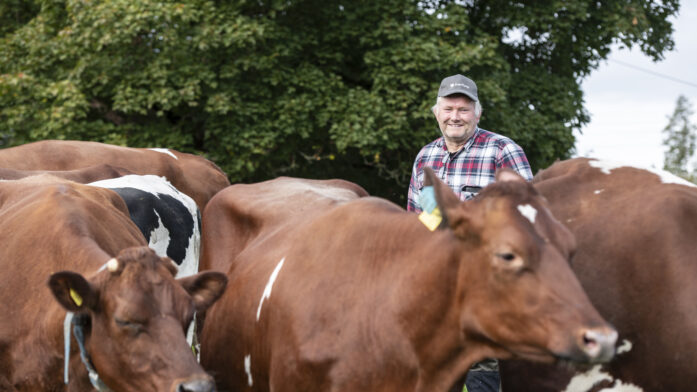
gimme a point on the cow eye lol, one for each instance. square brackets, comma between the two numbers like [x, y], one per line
[506, 256]
[131, 325]
[510, 260]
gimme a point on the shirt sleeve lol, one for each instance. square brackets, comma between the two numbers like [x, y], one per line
[512, 156]
[413, 195]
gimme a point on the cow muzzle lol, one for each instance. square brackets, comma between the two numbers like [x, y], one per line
[196, 385]
[598, 344]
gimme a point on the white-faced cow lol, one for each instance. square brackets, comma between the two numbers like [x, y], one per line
[194, 175]
[636, 233]
[132, 312]
[168, 219]
[357, 294]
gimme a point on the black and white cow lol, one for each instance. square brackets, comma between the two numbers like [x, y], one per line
[169, 219]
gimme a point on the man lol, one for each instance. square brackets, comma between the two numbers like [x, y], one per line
[466, 157]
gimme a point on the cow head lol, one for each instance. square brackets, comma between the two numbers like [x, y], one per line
[520, 254]
[138, 318]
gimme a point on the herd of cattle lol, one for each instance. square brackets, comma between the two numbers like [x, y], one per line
[584, 280]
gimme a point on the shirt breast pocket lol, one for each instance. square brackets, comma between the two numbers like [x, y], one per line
[470, 191]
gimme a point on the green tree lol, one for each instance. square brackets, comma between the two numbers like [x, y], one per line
[314, 88]
[679, 138]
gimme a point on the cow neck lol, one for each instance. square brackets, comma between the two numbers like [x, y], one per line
[445, 365]
[79, 322]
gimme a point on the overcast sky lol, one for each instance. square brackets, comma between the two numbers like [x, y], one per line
[629, 107]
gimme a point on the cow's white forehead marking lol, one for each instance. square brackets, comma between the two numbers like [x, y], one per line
[112, 265]
[164, 151]
[269, 285]
[248, 369]
[625, 347]
[583, 382]
[599, 191]
[666, 177]
[528, 211]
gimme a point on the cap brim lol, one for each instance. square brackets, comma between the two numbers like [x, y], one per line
[463, 92]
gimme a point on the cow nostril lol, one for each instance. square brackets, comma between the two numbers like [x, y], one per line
[590, 344]
[196, 386]
[599, 344]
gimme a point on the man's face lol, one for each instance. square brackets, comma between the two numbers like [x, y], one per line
[456, 118]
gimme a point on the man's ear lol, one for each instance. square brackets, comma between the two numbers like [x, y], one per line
[205, 288]
[72, 291]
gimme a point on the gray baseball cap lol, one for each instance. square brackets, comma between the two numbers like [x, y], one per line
[458, 84]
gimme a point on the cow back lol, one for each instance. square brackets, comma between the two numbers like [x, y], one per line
[194, 175]
[246, 212]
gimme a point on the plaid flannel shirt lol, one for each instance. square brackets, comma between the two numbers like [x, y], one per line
[471, 168]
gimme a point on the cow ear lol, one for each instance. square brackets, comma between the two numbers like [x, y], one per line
[445, 199]
[505, 174]
[72, 291]
[457, 215]
[205, 288]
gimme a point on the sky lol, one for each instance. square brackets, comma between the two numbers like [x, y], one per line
[630, 98]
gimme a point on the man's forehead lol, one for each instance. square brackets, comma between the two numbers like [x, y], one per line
[456, 100]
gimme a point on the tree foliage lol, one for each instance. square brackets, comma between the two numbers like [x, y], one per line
[679, 138]
[314, 88]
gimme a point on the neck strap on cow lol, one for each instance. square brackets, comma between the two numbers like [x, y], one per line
[79, 322]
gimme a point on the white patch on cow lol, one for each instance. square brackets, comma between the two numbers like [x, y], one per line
[528, 211]
[269, 286]
[584, 382]
[599, 191]
[156, 185]
[666, 177]
[164, 151]
[159, 238]
[248, 369]
[625, 347]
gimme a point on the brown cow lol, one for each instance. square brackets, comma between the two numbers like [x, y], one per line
[82, 176]
[359, 295]
[196, 176]
[636, 260]
[134, 312]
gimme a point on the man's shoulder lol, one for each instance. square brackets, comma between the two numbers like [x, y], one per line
[431, 148]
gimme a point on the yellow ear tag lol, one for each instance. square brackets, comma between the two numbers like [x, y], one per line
[76, 297]
[431, 220]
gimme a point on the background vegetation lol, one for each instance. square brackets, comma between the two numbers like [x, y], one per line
[313, 88]
[679, 138]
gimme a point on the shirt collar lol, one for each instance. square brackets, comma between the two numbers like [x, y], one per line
[466, 147]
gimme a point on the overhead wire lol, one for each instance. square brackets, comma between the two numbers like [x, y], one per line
[691, 84]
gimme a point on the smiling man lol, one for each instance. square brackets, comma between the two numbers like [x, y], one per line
[466, 157]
